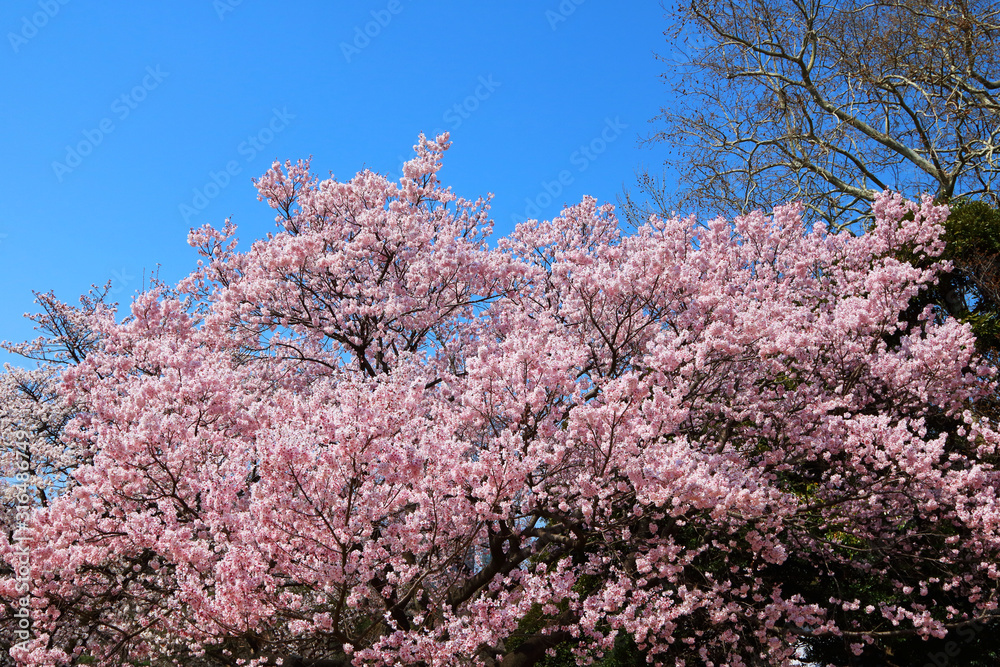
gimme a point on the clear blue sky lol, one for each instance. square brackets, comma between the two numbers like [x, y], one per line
[114, 116]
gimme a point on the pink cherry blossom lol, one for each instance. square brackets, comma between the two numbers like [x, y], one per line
[375, 437]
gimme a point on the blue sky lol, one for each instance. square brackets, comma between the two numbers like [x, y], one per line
[123, 125]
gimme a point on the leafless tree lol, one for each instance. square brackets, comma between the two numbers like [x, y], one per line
[828, 102]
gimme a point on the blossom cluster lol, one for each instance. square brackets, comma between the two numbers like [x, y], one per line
[373, 437]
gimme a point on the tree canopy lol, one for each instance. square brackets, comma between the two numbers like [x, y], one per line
[374, 437]
[830, 102]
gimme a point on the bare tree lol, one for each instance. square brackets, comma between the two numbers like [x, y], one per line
[830, 102]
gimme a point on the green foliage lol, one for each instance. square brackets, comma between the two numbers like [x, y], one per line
[624, 654]
[973, 226]
[971, 291]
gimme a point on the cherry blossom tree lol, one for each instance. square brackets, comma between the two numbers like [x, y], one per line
[374, 438]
